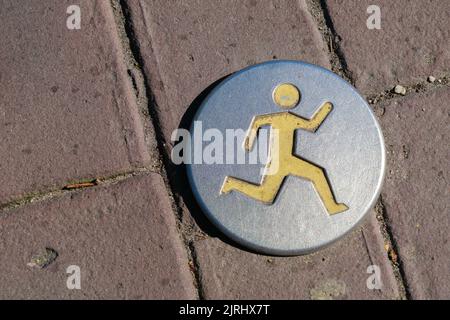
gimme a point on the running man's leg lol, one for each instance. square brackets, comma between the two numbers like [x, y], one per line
[265, 192]
[316, 175]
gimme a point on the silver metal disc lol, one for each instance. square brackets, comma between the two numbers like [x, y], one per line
[348, 145]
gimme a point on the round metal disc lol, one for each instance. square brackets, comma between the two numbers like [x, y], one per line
[347, 145]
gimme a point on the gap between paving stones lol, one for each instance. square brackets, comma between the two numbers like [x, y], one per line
[136, 78]
[420, 87]
[77, 186]
[146, 100]
[319, 11]
[391, 247]
[384, 232]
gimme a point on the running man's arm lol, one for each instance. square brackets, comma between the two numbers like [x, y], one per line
[257, 122]
[319, 116]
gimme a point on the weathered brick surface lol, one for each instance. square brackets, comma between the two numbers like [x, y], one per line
[187, 46]
[337, 272]
[411, 44]
[123, 237]
[66, 107]
[416, 193]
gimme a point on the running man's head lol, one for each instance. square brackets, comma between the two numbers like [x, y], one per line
[286, 96]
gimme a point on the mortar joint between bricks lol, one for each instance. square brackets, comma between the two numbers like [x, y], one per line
[125, 25]
[73, 187]
[419, 87]
[136, 77]
[320, 13]
[392, 249]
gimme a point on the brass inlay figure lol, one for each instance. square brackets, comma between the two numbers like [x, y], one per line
[285, 124]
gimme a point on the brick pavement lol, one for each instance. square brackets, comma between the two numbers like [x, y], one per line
[82, 104]
[67, 106]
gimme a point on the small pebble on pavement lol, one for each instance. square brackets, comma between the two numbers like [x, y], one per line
[400, 90]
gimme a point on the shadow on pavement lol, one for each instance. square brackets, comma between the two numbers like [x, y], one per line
[179, 179]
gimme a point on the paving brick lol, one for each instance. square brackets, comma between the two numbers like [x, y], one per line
[411, 45]
[67, 111]
[187, 46]
[337, 272]
[416, 189]
[123, 237]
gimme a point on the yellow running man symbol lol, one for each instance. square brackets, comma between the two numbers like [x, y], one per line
[286, 96]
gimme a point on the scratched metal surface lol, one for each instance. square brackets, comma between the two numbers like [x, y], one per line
[348, 145]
